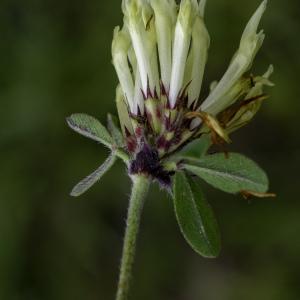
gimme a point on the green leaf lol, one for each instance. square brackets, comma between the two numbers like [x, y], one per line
[90, 180]
[197, 148]
[90, 127]
[114, 130]
[232, 175]
[195, 217]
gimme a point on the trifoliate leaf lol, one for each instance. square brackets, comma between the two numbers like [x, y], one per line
[90, 180]
[90, 127]
[195, 217]
[232, 175]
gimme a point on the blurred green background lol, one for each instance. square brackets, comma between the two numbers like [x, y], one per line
[55, 60]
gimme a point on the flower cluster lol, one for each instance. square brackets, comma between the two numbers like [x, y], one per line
[160, 56]
[167, 125]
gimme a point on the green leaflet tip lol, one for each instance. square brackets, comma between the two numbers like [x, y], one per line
[69, 121]
[74, 194]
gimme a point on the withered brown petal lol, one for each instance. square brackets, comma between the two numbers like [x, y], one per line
[212, 123]
[249, 194]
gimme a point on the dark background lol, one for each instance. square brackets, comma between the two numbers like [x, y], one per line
[55, 60]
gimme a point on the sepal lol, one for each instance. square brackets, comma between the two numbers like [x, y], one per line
[113, 128]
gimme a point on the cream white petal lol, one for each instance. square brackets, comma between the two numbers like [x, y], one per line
[138, 96]
[165, 18]
[124, 118]
[120, 47]
[250, 43]
[264, 80]
[198, 57]
[202, 5]
[182, 40]
[135, 13]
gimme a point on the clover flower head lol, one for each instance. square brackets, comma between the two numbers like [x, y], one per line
[167, 124]
[160, 56]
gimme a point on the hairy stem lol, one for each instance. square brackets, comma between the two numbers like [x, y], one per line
[139, 191]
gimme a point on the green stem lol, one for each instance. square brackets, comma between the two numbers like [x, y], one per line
[123, 155]
[139, 191]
